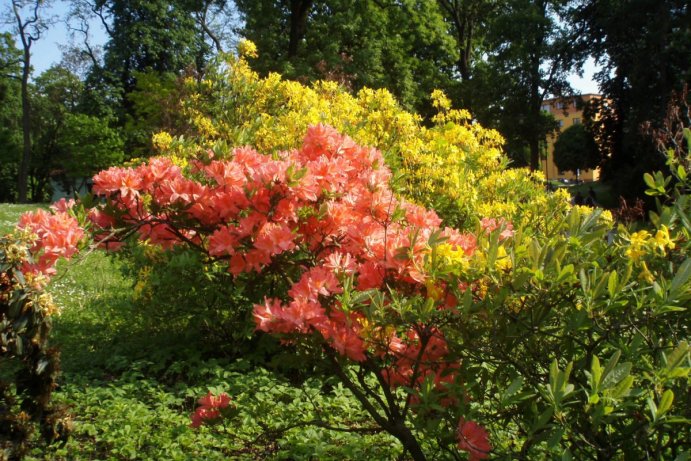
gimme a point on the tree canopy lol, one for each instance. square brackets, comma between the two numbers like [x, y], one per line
[576, 149]
[497, 58]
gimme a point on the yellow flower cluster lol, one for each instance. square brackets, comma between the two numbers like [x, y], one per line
[455, 166]
[247, 49]
[643, 242]
[453, 259]
[161, 141]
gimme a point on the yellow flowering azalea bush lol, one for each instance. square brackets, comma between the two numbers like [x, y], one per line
[453, 165]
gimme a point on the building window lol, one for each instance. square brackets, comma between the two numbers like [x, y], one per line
[545, 108]
[576, 121]
[561, 123]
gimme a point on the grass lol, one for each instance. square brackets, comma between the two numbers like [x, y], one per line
[10, 213]
[603, 192]
[131, 381]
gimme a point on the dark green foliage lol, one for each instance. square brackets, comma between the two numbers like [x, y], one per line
[159, 36]
[401, 46]
[10, 117]
[69, 146]
[575, 149]
[645, 49]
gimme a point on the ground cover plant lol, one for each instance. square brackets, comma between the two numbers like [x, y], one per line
[384, 329]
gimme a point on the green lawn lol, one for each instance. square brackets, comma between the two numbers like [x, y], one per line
[10, 213]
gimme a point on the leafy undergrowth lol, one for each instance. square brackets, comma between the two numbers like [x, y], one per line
[130, 389]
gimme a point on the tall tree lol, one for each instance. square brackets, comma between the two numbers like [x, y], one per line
[401, 45]
[576, 149]
[644, 48]
[529, 59]
[468, 21]
[156, 35]
[156, 38]
[10, 116]
[30, 25]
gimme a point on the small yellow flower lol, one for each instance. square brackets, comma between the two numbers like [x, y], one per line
[646, 274]
[503, 261]
[247, 49]
[440, 100]
[46, 305]
[662, 240]
[161, 141]
[433, 291]
[15, 254]
[638, 245]
[454, 258]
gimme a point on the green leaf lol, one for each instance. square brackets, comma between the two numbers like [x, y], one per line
[612, 284]
[616, 375]
[514, 387]
[665, 402]
[649, 181]
[653, 408]
[677, 356]
[555, 438]
[565, 273]
[611, 363]
[676, 287]
[623, 388]
[596, 371]
[543, 419]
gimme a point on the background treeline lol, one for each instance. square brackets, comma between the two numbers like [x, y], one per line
[498, 58]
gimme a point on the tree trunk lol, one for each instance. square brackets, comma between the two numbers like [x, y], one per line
[409, 442]
[23, 179]
[299, 10]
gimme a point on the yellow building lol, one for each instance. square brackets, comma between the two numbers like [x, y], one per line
[567, 112]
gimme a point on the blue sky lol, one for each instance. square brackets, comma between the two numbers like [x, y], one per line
[47, 51]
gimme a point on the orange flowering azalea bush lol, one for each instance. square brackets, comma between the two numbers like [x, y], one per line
[361, 284]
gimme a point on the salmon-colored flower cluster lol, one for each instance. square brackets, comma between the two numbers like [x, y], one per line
[56, 236]
[331, 199]
[491, 224]
[210, 409]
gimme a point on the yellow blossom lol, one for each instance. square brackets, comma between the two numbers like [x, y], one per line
[455, 166]
[440, 100]
[161, 141]
[503, 261]
[433, 291]
[662, 239]
[247, 49]
[646, 274]
[452, 258]
[638, 245]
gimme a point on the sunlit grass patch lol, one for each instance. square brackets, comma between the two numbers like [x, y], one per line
[10, 213]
